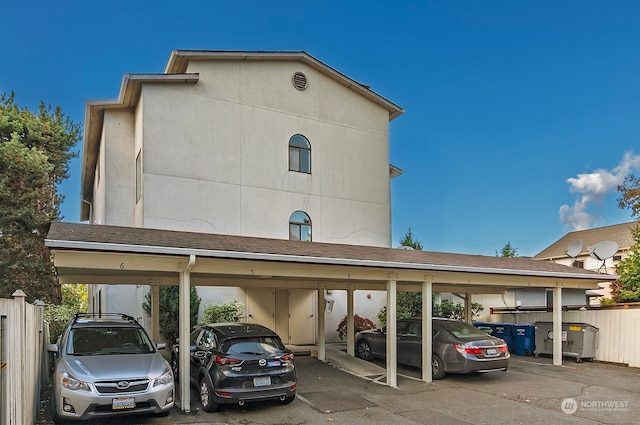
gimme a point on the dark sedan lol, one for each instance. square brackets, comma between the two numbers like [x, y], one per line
[239, 362]
[458, 347]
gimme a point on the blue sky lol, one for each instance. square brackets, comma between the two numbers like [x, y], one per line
[521, 117]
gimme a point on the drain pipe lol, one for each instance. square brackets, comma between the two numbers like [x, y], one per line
[184, 325]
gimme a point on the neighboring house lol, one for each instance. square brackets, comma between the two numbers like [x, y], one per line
[621, 234]
[559, 252]
[266, 144]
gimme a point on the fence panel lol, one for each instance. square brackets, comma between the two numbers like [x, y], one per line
[618, 340]
[22, 348]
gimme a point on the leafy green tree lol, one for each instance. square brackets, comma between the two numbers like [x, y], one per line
[35, 150]
[169, 304]
[508, 251]
[630, 195]
[627, 287]
[74, 300]
[409, 304]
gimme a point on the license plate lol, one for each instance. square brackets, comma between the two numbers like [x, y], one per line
[262, 381]
[123, 403]
[492, 352]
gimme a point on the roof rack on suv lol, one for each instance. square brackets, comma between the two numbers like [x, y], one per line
[121, 316]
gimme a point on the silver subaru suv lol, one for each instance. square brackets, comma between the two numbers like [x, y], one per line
[106, 365]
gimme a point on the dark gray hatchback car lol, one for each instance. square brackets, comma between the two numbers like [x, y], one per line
[458, 347]
[238, 363]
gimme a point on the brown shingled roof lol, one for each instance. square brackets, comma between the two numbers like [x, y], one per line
[63, 235]
[622, 234]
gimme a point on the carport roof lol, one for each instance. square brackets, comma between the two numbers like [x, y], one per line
[356, 262]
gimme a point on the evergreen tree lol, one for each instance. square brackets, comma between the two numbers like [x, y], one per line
[35, 150]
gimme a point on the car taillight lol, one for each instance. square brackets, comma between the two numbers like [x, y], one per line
[226, 360]
[464, 349]
[503, 349]
[287, 357]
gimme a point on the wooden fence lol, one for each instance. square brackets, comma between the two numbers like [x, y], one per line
[23, 338]
[618, 337]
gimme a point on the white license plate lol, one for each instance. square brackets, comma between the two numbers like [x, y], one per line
[492, 352]
[262, 381]
[123, 403]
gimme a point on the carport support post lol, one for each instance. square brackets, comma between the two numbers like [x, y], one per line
[184, 333]
[392, 343]
[322, 352]
[155, 313]
[557, 326]
[427, 329]
[467, 308]
[350, 325]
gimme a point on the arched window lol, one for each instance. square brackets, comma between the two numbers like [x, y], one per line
[299, 227]
[299, 154]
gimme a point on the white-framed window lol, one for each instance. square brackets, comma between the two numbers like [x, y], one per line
[299, 227]
[299, 154]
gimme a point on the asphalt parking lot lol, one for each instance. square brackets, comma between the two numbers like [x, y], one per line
[533, 390]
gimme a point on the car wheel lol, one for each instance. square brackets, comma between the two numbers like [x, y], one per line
[54, 412]
[364, 350]
[288, 400]
[437, 368]
[207, 396]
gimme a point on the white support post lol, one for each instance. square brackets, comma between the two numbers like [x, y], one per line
[557, 326]
[392, 343]
[350, 324]
[322, 349]
[155, 313]
[184, 334]
[427, 330]
[467, 308]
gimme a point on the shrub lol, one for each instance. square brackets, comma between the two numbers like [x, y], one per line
[359, 324]
[169, 304]
[220, 313]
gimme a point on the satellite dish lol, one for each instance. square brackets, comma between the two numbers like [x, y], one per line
[603, 250]
[575, 248]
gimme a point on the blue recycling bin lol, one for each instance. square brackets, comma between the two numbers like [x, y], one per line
[484, 327]
[505, 331]
[525, 338]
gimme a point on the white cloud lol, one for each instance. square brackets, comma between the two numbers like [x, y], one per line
[592, 188]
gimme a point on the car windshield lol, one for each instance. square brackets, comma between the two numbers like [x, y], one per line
[462, 330]
[261, 345]
[108, 340]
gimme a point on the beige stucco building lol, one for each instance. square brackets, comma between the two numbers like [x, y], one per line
[266, 144]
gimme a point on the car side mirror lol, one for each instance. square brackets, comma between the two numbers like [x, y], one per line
[52, 348]
[161, 345]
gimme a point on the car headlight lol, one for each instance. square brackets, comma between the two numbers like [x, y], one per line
[166, 378]
[73, 384]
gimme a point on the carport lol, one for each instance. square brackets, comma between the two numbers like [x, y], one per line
[94, 254]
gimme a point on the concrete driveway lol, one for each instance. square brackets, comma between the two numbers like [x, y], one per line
[533, 390]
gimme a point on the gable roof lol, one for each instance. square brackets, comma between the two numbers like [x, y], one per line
[74, 237]
[621, 233]
[179, 60]
[175, 73]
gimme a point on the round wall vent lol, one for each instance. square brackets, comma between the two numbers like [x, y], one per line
[299, 81]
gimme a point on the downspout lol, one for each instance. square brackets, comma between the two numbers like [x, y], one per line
[90, 210]
[183, 334]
